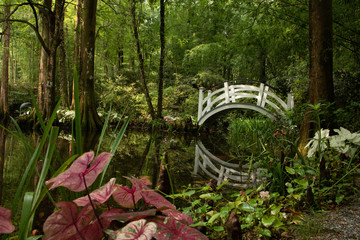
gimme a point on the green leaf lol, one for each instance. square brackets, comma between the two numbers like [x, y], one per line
[25, 224]
[266, 232]
[303, 182]
[290, 170]
[219, 228]
[339, 198]
[267, 221]
[246, 207]
[277, 223]
[190, 193]
[300, 171]
[214, 217]
[275, 210]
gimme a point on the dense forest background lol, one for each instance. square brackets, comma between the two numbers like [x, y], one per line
[157, 53]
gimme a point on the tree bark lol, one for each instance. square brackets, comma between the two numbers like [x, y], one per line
[64, 83]
[141, 60]
[55, 21]
[76, 59]
[4, 108]
[162, 59]
[44, 57]
[89, 116]
[321, 87]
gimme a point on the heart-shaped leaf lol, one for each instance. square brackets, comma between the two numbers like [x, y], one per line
[100, 195]
[73, 178]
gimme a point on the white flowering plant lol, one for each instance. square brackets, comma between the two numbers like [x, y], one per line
[344, 142]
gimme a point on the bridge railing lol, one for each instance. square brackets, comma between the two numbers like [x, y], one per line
[260, 96]
[223, 171]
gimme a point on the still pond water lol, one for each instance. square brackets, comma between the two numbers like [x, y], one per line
[138, 154]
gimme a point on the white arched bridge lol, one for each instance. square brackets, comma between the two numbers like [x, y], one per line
[260, 98]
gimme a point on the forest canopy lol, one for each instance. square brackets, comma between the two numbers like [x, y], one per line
[204, 43]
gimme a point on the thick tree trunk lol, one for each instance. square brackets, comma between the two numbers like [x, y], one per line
[162, 59]
[55, 21]
[44, 57]
[77, 60]
[64, 83]
[4, 108]
[141, 60]
[321, 87]
[89, 117]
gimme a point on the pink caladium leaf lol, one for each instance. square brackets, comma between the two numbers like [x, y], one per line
[122, 216]
[153, 198]
[136, 230]
[127, 197]
[170, 229]
[61, 224]
[100, 195]
[72, 178]
[6, 225]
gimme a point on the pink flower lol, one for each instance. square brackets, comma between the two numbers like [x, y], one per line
[73, 178]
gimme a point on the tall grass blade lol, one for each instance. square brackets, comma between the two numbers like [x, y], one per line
[45, 168]
[103, 131]
[77, 114]
[25, 224]
[38, 113]
[115, 146]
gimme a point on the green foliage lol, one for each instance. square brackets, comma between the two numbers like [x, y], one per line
[260, 212]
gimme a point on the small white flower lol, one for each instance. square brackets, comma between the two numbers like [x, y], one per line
[264, 194]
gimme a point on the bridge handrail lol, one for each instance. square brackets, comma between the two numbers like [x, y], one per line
[229, 94]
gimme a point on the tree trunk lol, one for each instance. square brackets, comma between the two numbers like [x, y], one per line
[64, 83]
[141, 61]
[55, 21]
[76, 59]
[321, 87]
[44, 57]
[162, 59]
[4, 108]
[89, 117]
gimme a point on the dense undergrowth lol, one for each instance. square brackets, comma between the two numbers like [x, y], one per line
[295, 182]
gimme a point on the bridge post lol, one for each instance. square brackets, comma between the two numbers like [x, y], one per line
[260, 96]
[232, 93]
[290, 101]
[226, 89]
[200, 106]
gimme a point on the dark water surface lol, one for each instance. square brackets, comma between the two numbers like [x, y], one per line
[139, 154]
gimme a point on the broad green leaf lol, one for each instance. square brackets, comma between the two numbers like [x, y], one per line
[219, 228]
[290, 170]
[303, 182]
[214, 217]
[246, 207]
[267, 220]
[275, 210]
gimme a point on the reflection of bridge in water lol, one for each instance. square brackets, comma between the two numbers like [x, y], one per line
[221, 171]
